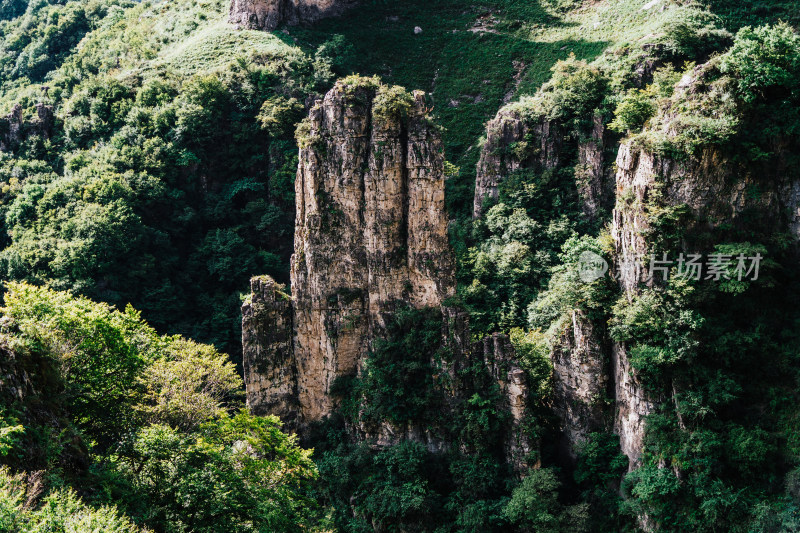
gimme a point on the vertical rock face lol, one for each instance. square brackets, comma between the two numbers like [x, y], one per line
[632, 404]
[267, 15]
[14, 129]
[371, 232]
[580, 382]
[717, 191]
[594, 180]
[499, 358]
[267, 337]
[520, 139]
[496, 355]
[502, 154]
[516, 141]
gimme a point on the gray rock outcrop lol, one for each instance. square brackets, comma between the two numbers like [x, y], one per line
[267, 15]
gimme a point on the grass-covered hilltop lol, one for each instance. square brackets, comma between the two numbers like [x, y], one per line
[387, 266]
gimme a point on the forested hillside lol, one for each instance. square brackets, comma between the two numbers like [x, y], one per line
[148, 157]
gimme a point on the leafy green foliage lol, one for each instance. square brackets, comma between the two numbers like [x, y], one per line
[100, 352]
[397, 380]
[391, 103]
[9, 436]
[41, 38]
[661, 327]
[571, 96]
[187, 385]
[237, 474]
[517, 241]
[406, 486]
[534, 506]
[187, 195]
[599, 468]
[764, 60]
[566, 291]
[154, 413]
[60, 512]
[633, 112]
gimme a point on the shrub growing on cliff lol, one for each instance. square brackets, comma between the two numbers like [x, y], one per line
[765, 60]
[573, 94]
[534, 506]
[397, 381]
[660, 328]
[391, 103]
[633, 111]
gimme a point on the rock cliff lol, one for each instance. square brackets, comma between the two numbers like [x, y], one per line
[500, 359]
[14, 129]
[580, 382]
[719, 191]
[519, 140]
[371, 232]
[267, 15]
[371, 236]
[268, 352]
[522, 139]
[542, 142]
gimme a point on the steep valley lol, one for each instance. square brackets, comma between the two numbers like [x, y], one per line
[447, 266]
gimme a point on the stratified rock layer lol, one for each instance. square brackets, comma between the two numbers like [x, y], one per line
[580, 382]
[371, 231]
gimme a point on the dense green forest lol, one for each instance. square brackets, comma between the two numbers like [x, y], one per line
[132, 219]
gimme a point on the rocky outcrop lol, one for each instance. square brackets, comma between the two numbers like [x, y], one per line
[371, 233]
[267, 15]
[500, 359]
[514, 142]
[268, 353]
[14, 130]
[519, 139]
[718, 191]
[632, 403]
[15, 380]
[593, 175]
[580, 382]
